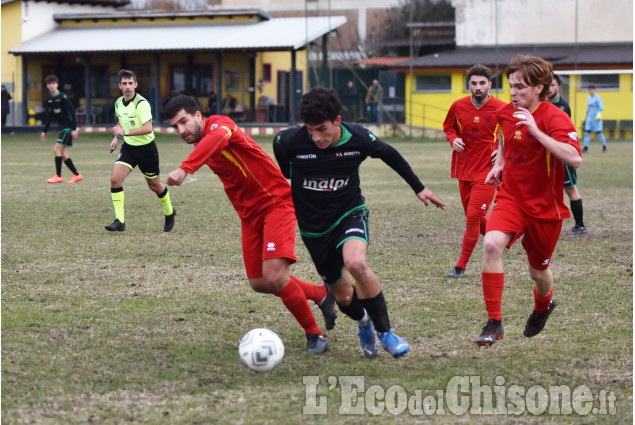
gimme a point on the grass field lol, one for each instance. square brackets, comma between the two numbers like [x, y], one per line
[142, 327]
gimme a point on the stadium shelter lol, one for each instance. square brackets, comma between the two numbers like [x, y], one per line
[246, 55]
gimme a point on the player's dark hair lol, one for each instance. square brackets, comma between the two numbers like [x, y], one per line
[535, 71]
[126, 73]
[557, 78]
[51, 79]
[179, 102]
[480, 71]
[318, 105]
[591, 86]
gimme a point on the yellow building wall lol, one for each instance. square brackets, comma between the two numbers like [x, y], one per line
[11, 37]
[429, 109]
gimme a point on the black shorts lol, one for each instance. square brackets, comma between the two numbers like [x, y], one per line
[65, 138]
[570, 176]
[326, 250]
[145, 156]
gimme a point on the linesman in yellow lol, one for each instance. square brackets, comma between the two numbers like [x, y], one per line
[135, 129]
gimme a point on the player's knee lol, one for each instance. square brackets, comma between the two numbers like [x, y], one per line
[357, 266]
[492, 247]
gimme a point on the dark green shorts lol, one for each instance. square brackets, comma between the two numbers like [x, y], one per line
[65, 138]
[326, 249]
[570, 176]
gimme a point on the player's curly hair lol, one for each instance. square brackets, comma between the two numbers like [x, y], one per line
[51, 79]
[535, 71]
[320, 104]
[480, 71]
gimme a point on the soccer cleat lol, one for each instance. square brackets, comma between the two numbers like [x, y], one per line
[457, 273]
[55, 179]
[585, 149]
[492, 332]
[75, 178]
[578, 230]
[394, 344]
[116, 226]
[316, 344]
[536, 322]
[169, 221]
[327, 306]
[603, 149]
[367, 338]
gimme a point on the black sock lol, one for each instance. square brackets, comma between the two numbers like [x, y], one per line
[58, 165]
[355, 310]
[165, 192]
[577, 211]
[69, 164]
[378, 312]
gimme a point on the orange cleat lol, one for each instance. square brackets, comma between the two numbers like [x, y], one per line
[55, 179]
[75, 179]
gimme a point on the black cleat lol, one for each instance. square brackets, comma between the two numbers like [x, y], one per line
[316, 344]
[585, 150]
[536, 322]
[578, 230]
[457, 273]
[327, 306]
[492, 332]
[169, 221]
[116, 226]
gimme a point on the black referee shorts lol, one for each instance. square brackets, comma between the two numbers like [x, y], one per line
[145, 156]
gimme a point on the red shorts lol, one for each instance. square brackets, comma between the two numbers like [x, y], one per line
[271, 236]
[476, 196]
[540, 236]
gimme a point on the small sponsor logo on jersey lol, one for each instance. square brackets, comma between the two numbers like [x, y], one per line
[57, 110]
[371, 136]
[214, 126]
[545, 262]
[324, 184]
[354, 230]
[518, 135]
[573, 135]
[307, 156]
[351, 153]
[132, 123]
[484, 207]
[477, 119]
[271, 246]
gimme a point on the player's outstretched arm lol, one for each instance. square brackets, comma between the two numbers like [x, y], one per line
[426, 196]
[176, 177]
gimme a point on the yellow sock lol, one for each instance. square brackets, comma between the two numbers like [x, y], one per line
[117, 201]
[167, 204]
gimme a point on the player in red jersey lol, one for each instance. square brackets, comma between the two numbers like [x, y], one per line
[536, 138]
[262, 198]
[470, 127]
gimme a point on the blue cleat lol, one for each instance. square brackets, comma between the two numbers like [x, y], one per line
[367, 339]
[394, 344]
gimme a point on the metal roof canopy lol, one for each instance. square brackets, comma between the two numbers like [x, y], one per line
[275, 34]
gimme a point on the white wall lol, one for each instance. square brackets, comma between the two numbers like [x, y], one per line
[506, 22]
[37, 17]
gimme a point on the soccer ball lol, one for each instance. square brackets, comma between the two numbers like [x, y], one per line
[261, 350]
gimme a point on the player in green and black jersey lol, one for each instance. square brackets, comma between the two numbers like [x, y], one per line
[135, 129]
[570, 174]
[60, 109]
[322, 159]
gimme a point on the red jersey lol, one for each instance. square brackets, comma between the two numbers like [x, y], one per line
[477, 128]
[252, 181]
[532, 176]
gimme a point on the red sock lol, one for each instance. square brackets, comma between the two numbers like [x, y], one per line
[294, 300]
[493, 284]
[312, 292]
[541, 302]
[483, 225]
[470, 239]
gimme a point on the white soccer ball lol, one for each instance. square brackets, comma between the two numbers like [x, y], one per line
[261, 350]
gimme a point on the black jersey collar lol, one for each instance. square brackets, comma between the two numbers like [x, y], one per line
[126, 103]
